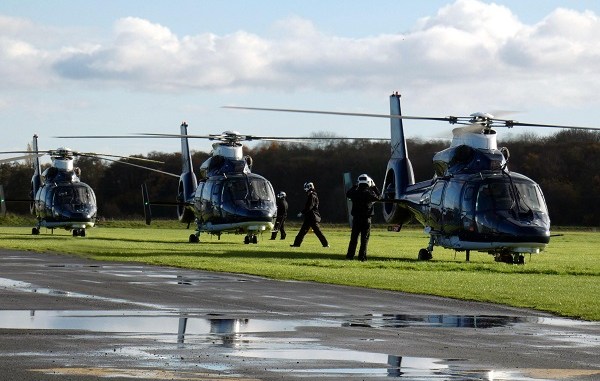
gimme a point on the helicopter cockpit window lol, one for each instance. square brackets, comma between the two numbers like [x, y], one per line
[73, 195]
[494, 196]
[260, 190]
[63, 195]
[530, 197]
[500, 196]
[237, 190]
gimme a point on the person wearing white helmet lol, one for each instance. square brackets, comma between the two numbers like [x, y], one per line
[312, 217]
[282, 208]
[363, 196]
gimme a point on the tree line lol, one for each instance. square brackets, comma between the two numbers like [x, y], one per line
[566, 165]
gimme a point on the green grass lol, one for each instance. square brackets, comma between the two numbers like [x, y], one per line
[564, 279]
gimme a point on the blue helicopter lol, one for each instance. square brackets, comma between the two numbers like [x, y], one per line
[57, 196]
[473, 202]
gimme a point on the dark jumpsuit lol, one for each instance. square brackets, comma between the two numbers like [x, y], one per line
[282, 207]
[312, 217]
[363, 198]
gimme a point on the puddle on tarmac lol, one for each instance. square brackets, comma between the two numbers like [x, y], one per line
[147, 322]
[240, 338]
[244, 339]
[17, 285]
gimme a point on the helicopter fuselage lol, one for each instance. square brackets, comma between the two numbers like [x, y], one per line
[490, 211]
[62, 201]
[240, 201]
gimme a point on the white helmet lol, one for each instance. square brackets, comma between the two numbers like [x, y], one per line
[281, 195]
[308, 186]
[364, 179]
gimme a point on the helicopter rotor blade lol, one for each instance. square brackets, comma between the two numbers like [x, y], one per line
[285, 139]
[493, 122]
[99, 137]
[23, 157]
[513, 123]
[143, 167]
[103, 155]
[388, 116]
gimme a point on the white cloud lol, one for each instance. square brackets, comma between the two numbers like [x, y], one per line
[468, 46]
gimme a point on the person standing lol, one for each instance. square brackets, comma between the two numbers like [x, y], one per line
[363, 196]
[312, 217]
[282, 208]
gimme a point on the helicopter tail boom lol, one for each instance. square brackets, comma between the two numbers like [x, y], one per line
[399, 173]
[187, 180]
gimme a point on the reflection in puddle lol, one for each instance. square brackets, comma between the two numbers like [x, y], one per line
[146, 322]
[413, 368]
[444, 321]
[177, 336]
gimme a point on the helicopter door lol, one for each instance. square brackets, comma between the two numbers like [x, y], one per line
[206, 203]
[467, 215]
[198, 197]
[215, 198]
[435, 207]
[451, 209]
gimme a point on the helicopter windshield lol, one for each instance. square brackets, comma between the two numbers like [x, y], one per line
[260, 190]
[508, 196]
[73, 195]
[251, 189]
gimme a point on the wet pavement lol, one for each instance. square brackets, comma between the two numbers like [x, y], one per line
[65, 318]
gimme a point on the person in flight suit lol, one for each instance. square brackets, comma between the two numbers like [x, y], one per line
[282, 208]
[363, 196]
[312, 217]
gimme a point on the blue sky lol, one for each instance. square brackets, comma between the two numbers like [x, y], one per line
[119, 67]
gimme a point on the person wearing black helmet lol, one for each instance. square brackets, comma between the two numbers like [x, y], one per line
[363, 196]
[312, 217]
[282, 207]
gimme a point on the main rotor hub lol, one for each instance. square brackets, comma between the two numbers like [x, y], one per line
[231, 151]
[62, 158]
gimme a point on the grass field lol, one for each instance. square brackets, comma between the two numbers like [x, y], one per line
[564, 279]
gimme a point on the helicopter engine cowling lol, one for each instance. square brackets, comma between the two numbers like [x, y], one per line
[185, 191]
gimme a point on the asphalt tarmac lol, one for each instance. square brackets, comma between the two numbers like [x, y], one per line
[66, 318]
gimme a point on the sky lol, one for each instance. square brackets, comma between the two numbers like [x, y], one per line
[113, 67]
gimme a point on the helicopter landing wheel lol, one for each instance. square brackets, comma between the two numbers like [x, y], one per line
[194, 238]
[519, 259]
[424, 255]
[254, 239]
[246, 240]
[35, 231]
[504, 258]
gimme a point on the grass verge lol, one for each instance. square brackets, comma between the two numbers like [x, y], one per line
[564, 279]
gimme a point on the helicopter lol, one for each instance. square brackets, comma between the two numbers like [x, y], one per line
[228, 197]
[472, 202]
[58, 197]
